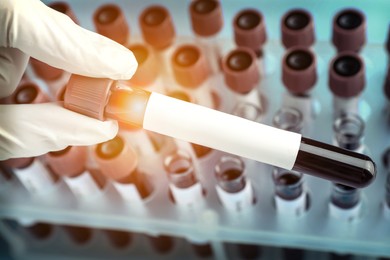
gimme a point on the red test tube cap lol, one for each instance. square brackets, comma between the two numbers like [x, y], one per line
[346, 75]
[299, 73]
[249, 29]
[349, 30]
[116, 159]
[147, 71]
[189, 66]
[64, 8]
[297, 28]
[110, 21]
[18, 163]
[69, 162]
[240, 70]
[206, 17]
[157, 26]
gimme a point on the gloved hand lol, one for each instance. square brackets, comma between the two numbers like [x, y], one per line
[31, 28]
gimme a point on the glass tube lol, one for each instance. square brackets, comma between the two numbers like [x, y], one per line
[345, 197]
[248, 111]
[230, 174]
[180, 170]
[349, 131]
[288, 184]
[288, 118]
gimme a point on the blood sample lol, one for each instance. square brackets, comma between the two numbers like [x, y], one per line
[207, 21]
[119, 239]
[80, 235]
[242, 78]
[346, 81]
[290, 194]
[42, 69]
[70, 163]
[162, 243]
[234, 189]
[349, 30]
[297, 28]
[158, 31]
[118, 161]
[110, 21]
[184, 186]
[40, 230]
[299, 77]
[249, 30]
[192, 74]
[217, 130]
[30, 171]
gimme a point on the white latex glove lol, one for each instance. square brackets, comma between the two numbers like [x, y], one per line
[31, 28]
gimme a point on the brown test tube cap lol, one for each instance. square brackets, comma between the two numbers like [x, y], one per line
[44, 70]
[110, 21]
[116, 159]
[29, 93]
[387, 84]
[249, 29]
[87, 96]
[64, 8]
[346, 75]
[69, 162]
[299, 70]
[349, 30]
[297, 28]
[189, 66]
[206, 17]
[147, 71]
[388, 41]
[18, 163]
[240, 70]
[157, 26]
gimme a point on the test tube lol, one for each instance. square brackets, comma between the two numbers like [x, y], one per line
[184, 186]
[217, 130]
[70, 163]
[346, 82]
[288, 118]
[297, 28]
[349, 132]
[206, 22]
[386, 87]
[345, 200]
[233, 188]
[158, 31]
[42, 69]
[349, 30]
[110, 21]
[199, 150]
[162, 243]
[299, 77]
[291, 197]
[242, 78]
[249, 30]
[30, 171]
[118, 161]
[147, 75]
[40, 230]
[290, 194]
[192, 74]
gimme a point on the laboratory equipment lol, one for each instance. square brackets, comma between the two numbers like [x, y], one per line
[297, 27]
